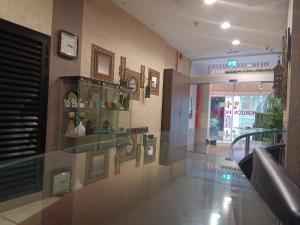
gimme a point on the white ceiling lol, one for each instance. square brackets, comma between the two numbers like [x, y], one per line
[194, 28]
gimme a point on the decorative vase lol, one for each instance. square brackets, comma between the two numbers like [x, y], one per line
[80, 130]
[70, 129]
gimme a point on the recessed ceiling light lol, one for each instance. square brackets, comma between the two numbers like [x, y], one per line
[236, 42]
[210, 2]
[225, 25]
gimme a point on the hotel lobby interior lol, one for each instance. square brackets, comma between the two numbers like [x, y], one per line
[143, 112]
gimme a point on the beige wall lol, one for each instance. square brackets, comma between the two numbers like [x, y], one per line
[34, 14]
[103, 24]
[109, 27]
[71, 22]
[293, 117]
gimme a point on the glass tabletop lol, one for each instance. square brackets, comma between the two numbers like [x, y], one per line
[142, 187]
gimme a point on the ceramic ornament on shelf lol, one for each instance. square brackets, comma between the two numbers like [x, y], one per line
[80, 129]
[71, 126]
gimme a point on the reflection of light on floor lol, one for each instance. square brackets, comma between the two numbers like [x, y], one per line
[214, 218]
[219, 149]
[226, 176]
[226, 203]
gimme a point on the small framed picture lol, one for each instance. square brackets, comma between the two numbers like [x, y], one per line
[150, 151]
[154, 79]
[97, 165]
[128, 152]
[133, 81]
[103, 62]
[61, 181]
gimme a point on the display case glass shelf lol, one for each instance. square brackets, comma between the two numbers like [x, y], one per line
[92, 111]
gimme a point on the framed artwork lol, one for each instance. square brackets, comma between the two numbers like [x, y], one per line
[128, 152]
[133, 81]
[67, 45]
[150, 151]
[154, 79]
[61, 181]
[103, 63]
[142, 76]
[97, 165]
[117, 162]
[122, 67]
[138, 155]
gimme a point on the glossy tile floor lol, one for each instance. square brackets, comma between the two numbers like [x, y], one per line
[194, 189]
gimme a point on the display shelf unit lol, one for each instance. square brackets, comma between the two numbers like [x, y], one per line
[92, 111]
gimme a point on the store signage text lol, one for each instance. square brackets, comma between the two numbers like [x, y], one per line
[240, 112]
[263, 66]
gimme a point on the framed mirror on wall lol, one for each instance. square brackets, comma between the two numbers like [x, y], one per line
[150, 151]
[97, 165]
[103, 62]
[133, 81]
[154, 77]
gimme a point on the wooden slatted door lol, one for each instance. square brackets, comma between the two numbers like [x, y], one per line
[23, 91]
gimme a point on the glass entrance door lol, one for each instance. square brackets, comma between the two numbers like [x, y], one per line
[234, 106]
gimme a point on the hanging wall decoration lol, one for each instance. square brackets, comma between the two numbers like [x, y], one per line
[143, 83]
[97, 165]
[142, 76]
[278, 80]
[122, 70]
[285, 64]
[148, 87]
[133, 80]
[102, 66]
[154, 79]
[129, 151]
[150, 151]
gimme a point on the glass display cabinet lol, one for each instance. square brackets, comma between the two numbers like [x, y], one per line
[92, 111]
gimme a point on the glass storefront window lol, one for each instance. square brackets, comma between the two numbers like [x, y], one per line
[233, 108]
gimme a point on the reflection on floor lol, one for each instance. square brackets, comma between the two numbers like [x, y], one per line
[198, 189]
[225, 149]
[203, 197]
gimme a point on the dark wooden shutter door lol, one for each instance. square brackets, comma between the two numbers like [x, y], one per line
[23, 91]
[23, 109]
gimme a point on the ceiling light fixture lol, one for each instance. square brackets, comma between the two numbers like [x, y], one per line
[210, 2]
[225, 25]
[236, 42]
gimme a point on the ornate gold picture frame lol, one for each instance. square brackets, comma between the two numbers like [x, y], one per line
[102, 64]
[133, 81]
[155, 81]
